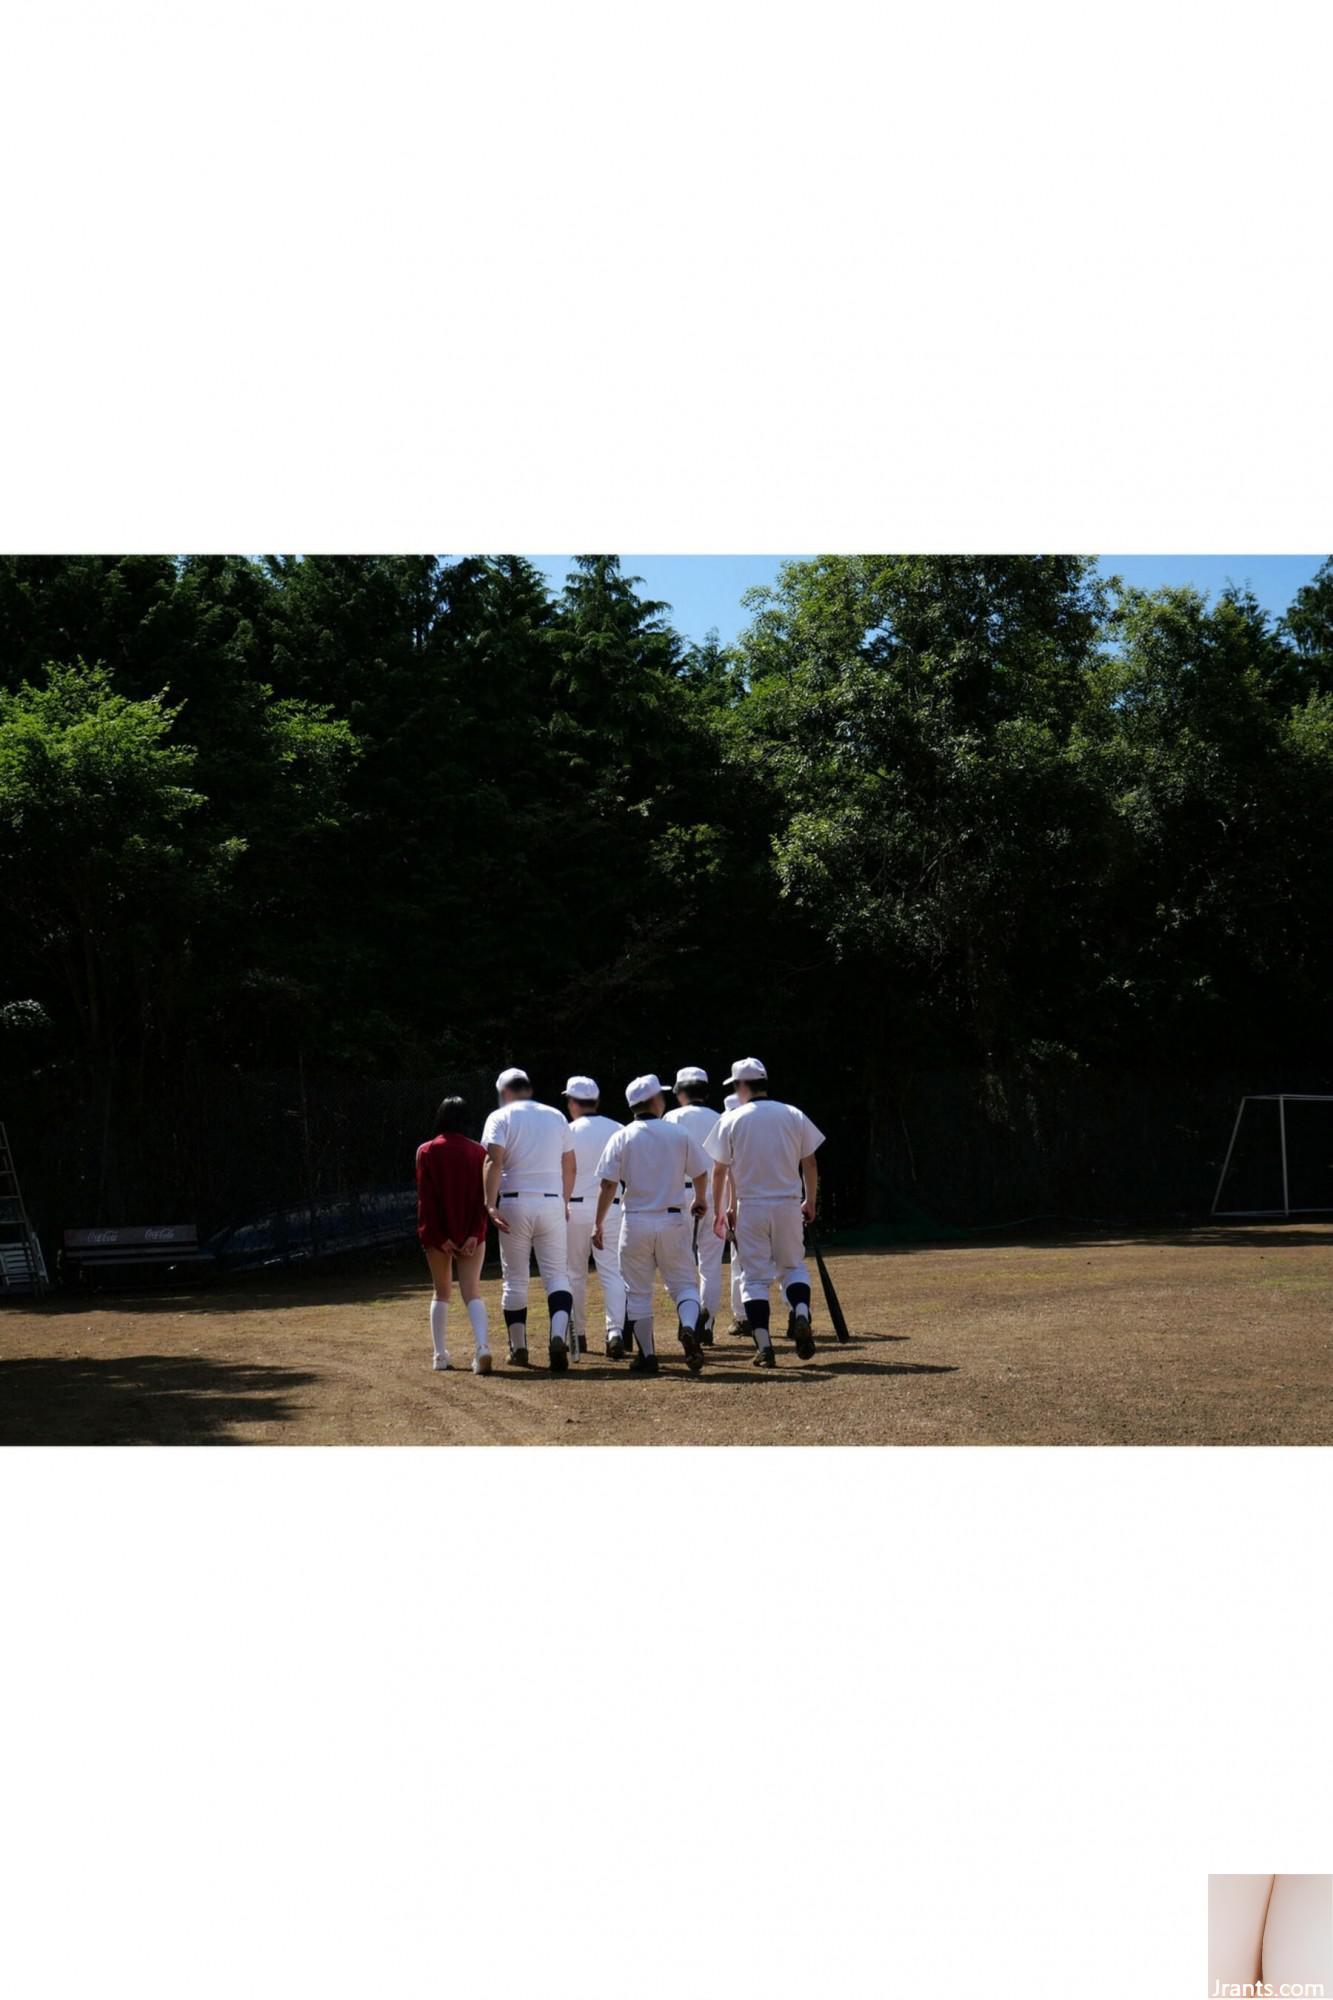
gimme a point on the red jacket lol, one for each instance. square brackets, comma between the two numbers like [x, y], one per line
[451, 1202]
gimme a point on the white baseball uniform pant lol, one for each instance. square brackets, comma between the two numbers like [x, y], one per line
[708, 1271]
[582, 1220]
[737, 1292]
[656, 1239]
[536, 1227]
[771, 1237]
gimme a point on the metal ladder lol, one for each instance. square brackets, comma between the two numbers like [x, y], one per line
[22, 1266]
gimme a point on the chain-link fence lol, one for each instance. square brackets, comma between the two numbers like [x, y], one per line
[927, 1152]
[221, 1149]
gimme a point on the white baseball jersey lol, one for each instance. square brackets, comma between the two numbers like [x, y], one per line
[698, 1120]
[763, 1142]
[654, 1160]
[590, 1138]
[535, 1138]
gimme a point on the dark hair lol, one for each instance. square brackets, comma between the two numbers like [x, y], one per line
[585, 1103]
[644, 1110]
[696, 1092]
[451, 1116]
[756, 1085]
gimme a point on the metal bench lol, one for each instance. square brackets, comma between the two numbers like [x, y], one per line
[161, 1245]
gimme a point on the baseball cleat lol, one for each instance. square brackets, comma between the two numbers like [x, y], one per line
[518, 1357]
[765, 1358]
[694, 1354]
[481, 1364]
[705, 1330]
[615, 1348]
[804, 1336]
[741, 1329]
[440, 1362]
[559, 1354]
[643, 1364]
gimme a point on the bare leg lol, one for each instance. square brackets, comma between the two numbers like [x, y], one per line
[469, 1274]
[1237, 1905]
[1298, 1935]
[469, 1284]
[442, 1272]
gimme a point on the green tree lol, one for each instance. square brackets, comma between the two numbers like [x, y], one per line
[910, 717]
[1204, 920]
[106, 861]
[1308, 627]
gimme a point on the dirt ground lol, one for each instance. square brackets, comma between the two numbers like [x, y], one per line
[1195, 1336]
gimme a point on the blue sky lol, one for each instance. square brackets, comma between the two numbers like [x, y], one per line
[707, 590]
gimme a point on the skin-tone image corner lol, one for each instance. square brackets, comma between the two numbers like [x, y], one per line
[1270, 1935]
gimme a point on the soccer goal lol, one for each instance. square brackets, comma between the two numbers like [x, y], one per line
[1280, 1159]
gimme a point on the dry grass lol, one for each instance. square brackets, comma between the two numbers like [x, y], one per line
[1202, 1336]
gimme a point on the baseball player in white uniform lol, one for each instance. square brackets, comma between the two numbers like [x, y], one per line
[739, 1324]
[591, 1133]
[654, 1161]
[766, 1151]
[529, 1179]
[698, 1117]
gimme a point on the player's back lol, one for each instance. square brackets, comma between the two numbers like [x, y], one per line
[590, 1136]
[535, 1138]
[767, 1141]
[654, 1163]
[696, 1119]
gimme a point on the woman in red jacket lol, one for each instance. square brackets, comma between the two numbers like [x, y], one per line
[451, 1222]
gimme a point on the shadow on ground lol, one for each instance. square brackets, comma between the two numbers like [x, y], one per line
[140, 1399]
[228, 1295]
[735, 1371]
[815, 1371]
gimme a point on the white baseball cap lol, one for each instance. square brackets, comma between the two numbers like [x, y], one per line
[748, 1070]
[642, 1088]
[689, 1075]
[730, 1103]
[507, 1077]
[583, 1088]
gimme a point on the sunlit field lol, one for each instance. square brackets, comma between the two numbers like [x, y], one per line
[1192, 1336]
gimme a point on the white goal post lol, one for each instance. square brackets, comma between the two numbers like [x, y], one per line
[1282, 1098]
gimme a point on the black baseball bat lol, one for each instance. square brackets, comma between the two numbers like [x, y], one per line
[831, 1299]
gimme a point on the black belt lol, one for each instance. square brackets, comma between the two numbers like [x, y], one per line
[673, 1211]
[615, 1199]
[514, 1194]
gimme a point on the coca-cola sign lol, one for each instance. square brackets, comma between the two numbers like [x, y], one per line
[128, 1238]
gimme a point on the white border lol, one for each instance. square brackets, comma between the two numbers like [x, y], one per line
[733, 277]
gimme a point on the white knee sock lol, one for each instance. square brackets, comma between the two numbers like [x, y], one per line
[560, 1325]
[439, 1323]
[643, 1333]
[688, 1309]
[476, 1312]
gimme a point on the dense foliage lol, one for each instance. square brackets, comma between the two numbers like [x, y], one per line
[408, 814]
